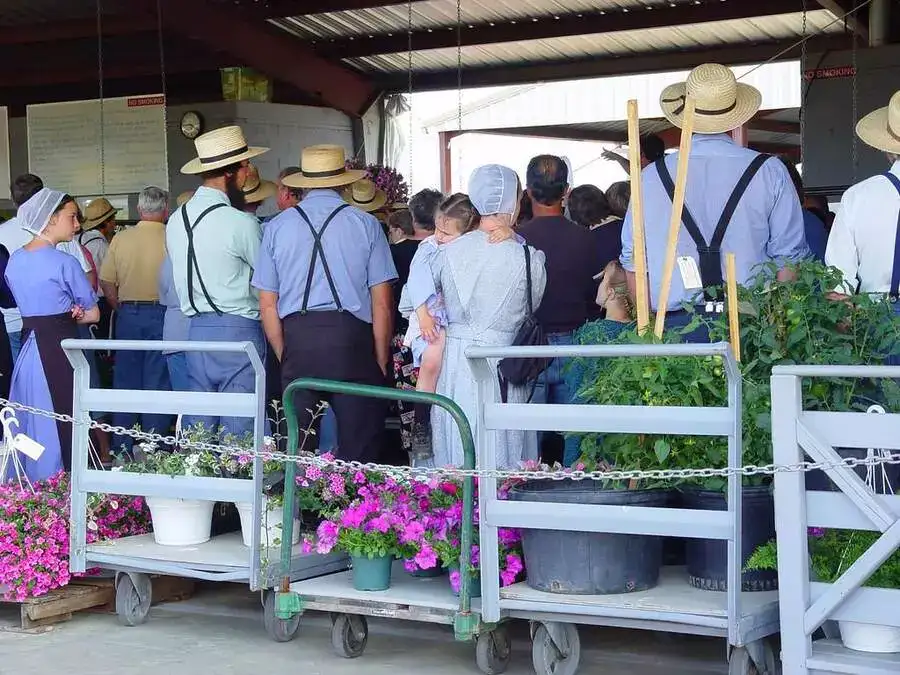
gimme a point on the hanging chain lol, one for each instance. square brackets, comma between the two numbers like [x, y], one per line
[162, 75]
[459, 98]
[409, 105]
[305, 458]
[805, 84]
[855, 114]
[100, 88]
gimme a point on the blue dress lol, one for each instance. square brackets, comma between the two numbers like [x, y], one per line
[47, 284]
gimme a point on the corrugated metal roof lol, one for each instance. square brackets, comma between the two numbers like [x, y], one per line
[433, 14]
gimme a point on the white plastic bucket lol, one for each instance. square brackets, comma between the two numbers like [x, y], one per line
[180, 522]
[867, 637]
[271, 530]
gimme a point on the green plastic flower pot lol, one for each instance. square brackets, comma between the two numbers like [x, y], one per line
[474, 586]
[431, 573]
[372, 574]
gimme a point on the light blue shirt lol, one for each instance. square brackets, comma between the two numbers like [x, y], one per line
[176, 325]
[767, 224]
[226, 243]
[355, 247]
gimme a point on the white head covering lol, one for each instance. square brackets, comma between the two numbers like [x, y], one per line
[494, 188]
[36, 212]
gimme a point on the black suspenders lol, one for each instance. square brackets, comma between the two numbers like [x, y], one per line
[710, 254]
[319, 251]
[192, 259]
[895, 274]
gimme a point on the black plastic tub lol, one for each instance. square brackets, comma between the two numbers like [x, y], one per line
[589, 563]
[707, 559]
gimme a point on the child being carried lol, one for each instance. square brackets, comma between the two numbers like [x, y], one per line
[424, 306]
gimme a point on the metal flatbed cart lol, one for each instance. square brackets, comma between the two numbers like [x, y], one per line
[799, 435]
[414, 599]
[745, 619]
[134, 559]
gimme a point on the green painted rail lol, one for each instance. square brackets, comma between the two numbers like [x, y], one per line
[464, 626]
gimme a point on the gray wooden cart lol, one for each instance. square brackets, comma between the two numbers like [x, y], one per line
[134, 559]
[745, 619]
[806, 606]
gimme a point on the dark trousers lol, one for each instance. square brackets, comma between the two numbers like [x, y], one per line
[678, 320]
[142, 371]
[336, 346]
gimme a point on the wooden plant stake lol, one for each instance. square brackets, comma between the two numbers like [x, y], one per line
[642, 297]
[684, 151]
[734, 319]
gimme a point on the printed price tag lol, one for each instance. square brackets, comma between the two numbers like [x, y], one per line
[690, 273]
[28, 447]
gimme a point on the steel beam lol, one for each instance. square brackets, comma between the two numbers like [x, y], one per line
[854, 22]
[268, 50]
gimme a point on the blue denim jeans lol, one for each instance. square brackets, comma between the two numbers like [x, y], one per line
[223, 372]
[555, 386]
[15, 344]
[328, 432]
[142, 371]
[176, 364]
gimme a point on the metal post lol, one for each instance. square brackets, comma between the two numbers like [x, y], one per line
[790, 525]
[879, 22]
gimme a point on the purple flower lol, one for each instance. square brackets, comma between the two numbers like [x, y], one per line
[455, 580]
[816, 532]
[426, 558]
[412, 532]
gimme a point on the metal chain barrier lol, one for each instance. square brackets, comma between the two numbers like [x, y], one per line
[406, 472]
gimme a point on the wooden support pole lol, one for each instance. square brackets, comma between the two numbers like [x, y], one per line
[731, 295]
[684, 152]
[642, 296]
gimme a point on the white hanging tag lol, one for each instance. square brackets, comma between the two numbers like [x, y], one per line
[690, 273]
[28, 447]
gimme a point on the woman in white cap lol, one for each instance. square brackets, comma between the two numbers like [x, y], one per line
[483, 285]
[54, 296]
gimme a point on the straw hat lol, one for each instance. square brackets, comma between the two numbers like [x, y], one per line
[184, 197]
[220, 147]
[257, 190]
[721, 103]
[98, 212]
[323, 166]
[881, 128]
[364, 195]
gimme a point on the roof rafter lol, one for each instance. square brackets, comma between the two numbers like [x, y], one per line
[543, 27]
[269, 51]
[853, 20]
[736, 54]
[276, 9]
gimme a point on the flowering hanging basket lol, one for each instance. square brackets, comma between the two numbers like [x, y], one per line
[385, 178]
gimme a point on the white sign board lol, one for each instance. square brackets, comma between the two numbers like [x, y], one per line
[4, 154]
[68, 151]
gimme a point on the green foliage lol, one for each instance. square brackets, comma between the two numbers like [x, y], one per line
[371, 544]
[782, 322]
[831, 552]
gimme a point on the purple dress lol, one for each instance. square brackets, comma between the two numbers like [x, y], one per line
[46, 283]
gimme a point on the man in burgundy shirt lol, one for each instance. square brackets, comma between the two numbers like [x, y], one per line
[571, 290]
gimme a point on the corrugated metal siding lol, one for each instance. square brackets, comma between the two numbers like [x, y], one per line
[425, 15]
[579, 47]
[435, 13]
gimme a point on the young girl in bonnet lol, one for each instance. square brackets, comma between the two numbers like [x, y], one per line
[424, 306]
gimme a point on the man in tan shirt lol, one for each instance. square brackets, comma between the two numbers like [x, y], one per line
[130, 281]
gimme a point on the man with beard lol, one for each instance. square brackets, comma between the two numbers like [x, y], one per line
[212, 244]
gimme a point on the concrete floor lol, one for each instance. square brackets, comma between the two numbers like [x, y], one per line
[220, 631]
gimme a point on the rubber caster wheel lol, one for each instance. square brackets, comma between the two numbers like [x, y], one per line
[492, 652]
[133, 599]
[280, 630]
[349, 635]
[741, 663]
[550, 657]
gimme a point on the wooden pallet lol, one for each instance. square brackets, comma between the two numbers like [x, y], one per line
[97, 594]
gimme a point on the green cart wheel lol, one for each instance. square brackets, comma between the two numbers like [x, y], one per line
[349, 635]
[280, 630]
[492, 652]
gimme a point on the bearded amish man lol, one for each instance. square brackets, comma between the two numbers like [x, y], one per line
[213, 244]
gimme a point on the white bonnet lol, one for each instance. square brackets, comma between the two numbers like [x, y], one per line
[36, 212]
[493, 189]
